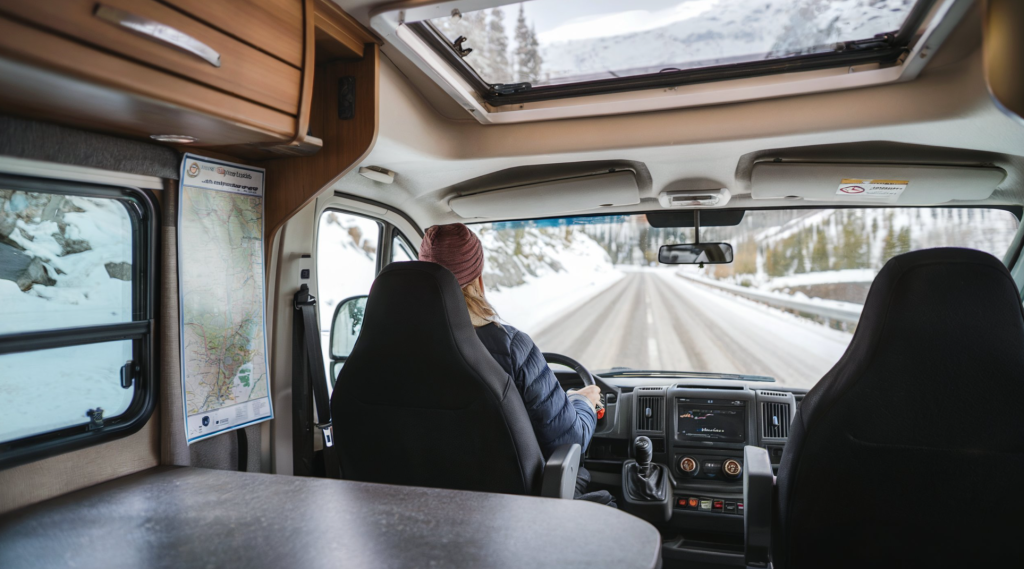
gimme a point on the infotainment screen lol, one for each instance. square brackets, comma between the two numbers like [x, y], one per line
[720, 420]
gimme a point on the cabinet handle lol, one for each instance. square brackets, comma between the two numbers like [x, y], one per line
[159, 32]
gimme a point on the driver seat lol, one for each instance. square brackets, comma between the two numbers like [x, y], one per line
[421, 402]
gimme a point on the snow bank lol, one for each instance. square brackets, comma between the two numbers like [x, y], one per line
[50, 390]
[824, 277]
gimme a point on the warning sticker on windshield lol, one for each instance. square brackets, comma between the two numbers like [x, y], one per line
[872, 189]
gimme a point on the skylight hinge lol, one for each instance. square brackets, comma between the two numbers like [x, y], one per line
[462, 51]
[880, 40]
[509, 88]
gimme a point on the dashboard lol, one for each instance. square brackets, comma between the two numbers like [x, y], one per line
[698, 426]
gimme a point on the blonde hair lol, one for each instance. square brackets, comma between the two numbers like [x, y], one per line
[479, 308]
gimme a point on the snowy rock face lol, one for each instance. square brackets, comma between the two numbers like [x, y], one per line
[513, 256]
[562, 41]
[64, 261]
[726, 31]
[21, 216]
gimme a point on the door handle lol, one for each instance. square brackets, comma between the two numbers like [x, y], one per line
[159, 32]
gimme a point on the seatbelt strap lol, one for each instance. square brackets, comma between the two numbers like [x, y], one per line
[305, 304]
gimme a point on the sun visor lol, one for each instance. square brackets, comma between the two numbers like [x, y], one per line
[873, 183]
[551, 198]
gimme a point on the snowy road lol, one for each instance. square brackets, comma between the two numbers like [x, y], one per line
[656, 320]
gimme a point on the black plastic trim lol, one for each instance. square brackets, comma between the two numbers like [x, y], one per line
[144, 212]
[49, 339]
[810, 62]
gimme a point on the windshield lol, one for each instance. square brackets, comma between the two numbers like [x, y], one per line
[787, 307]
[549, 42]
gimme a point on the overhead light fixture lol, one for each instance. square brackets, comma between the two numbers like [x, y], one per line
[174, 138]
[377, 174]
[690, 198]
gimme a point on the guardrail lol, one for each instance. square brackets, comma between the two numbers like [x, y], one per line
[831, 309]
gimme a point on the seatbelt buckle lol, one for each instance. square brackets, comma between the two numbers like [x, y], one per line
[328, 432]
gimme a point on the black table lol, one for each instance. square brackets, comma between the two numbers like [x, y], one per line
[188, 517]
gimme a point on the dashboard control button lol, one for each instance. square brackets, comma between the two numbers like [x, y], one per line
[730, 507]
[694, 502]
[718, 505]
[688, 466]
[705, 504]
[739, 508]
[711, 466]
[732, 468]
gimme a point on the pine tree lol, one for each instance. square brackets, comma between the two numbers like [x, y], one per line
[528, 60]
[798, 254]
[903, 241]
[819, 253]
[746, 257]
[497, 48]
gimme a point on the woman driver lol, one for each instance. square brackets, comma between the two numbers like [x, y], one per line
[557, 417]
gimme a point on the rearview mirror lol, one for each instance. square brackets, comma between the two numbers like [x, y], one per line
[348, 321]
[695, 254]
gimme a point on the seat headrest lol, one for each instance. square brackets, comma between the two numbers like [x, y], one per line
[416, 319]
[933, 320]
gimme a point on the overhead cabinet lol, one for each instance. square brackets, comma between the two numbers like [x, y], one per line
[152, 33]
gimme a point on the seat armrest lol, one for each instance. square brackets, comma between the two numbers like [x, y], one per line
[560, 472]
[758, 489]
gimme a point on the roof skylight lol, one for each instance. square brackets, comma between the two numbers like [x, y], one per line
[560, 42]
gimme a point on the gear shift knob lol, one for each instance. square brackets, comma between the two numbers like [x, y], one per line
[644, 451]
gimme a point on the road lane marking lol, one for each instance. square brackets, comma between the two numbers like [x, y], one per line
[652, 340]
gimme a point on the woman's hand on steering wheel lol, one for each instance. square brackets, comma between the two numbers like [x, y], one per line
[590, 389]
[591, 392]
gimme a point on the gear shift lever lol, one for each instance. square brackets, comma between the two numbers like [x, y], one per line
[645, 485]
[643, 450]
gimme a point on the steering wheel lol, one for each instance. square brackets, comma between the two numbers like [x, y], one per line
[585, 375]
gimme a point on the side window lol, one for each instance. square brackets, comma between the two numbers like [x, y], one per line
[400, 249]
[346, 264]
[75, 316]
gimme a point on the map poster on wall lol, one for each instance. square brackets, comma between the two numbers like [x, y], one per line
[225, 378]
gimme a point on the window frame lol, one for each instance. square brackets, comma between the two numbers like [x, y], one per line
[885, 50]
[392, 222]
[394, 233]
[144, 211]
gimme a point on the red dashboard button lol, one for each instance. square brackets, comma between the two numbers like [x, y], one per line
[718, 504]
[694, 502]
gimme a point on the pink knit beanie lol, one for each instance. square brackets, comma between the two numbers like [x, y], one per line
[455, 248]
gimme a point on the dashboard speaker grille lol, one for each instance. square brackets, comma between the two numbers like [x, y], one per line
[775, 420]
[649, 412]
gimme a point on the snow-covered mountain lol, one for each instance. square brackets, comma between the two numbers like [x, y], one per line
[726, 31]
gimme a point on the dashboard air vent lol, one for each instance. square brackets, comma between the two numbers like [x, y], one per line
[773, 393]
[775, 420]
[649, 412]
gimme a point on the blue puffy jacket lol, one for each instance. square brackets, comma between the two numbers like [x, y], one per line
[557, 419]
